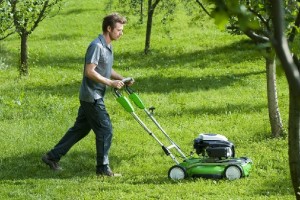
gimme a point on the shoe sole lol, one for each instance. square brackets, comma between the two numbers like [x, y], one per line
[49, 163]
[106, 175]
[117, 175]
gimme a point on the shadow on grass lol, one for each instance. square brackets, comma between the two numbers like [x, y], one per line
[66, 89]
[30, 166]
[10, 58]
[236, 52]
[226, 109]
[266, 136]
[78, 11]
[159, 84]
[74, 164]
[80, 164]
[152, 84]
[268, 188]
[61, 36]
[279, 187]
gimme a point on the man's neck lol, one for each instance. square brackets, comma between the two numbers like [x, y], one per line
[107, 38]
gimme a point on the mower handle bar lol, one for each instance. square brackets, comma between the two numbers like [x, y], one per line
[125, 81]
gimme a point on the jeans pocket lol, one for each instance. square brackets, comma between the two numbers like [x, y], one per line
[99, 103]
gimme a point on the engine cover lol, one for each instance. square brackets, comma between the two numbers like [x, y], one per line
[214, 145]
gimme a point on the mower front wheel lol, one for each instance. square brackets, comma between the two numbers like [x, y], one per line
[177, 172]
[233, 172]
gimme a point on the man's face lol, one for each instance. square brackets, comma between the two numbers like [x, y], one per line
[116, 32]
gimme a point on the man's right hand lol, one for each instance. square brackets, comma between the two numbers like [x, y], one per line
[117, 84]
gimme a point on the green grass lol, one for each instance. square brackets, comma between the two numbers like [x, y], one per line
[199, 79]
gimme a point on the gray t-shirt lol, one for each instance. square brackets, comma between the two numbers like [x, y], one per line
[101, 54]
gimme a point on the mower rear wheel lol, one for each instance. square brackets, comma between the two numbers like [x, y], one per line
[233, 172]
[177, 172]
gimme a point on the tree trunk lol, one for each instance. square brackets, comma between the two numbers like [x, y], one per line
[292, 74]
[141, 11]
[294, 140]
[24, 55]
[274, 114]
[149, 26]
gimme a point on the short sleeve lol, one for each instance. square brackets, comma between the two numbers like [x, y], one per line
[93, 54]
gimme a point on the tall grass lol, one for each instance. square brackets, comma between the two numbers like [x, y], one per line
[198, 78]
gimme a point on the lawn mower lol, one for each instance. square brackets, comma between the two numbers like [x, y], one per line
[216, 154]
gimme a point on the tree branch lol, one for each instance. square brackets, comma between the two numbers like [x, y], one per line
[2, 38]
[203, 8]
[281, 46]
[19, 29]
[256, 37]
[155, 4]
[257, 14]
[40, 18]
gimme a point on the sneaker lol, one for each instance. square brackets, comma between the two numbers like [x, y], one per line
[106, 171]
[51, 163]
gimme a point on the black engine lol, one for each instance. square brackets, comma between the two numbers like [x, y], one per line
[214, 146]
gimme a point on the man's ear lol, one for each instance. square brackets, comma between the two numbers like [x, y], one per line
[109, 29]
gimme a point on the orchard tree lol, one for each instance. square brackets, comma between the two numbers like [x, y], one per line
[151, 8]
[166, 7]
[253, 19]
[292, 71]
[279, 16]
[26, 16]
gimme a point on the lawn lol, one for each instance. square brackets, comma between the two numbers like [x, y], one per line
[200, 80]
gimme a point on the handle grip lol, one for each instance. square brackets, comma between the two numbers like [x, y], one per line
[127, 80]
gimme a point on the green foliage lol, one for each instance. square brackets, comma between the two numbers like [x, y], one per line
[238, 13]
[166, 9]
[28, 14]
[246, 15]
[6, 20]
[23, 16]
[203, 80]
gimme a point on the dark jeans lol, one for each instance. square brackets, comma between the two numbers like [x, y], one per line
[91, 116]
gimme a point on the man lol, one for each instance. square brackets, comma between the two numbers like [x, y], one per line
[92, 115]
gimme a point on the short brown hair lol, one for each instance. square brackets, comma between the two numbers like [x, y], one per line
[111, 20]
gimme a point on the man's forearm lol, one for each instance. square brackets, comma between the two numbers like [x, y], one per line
[116, 76]
[93, 75]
